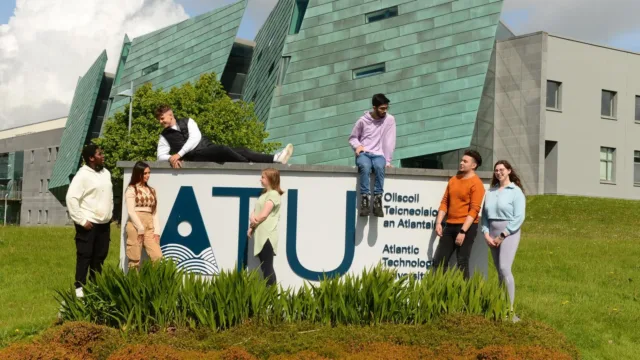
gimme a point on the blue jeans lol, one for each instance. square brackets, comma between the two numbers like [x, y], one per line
[367, 161]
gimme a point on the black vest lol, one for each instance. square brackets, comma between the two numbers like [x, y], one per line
[177, 138]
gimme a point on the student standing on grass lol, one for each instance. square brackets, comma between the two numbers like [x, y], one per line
[264, 223]
[373, 139]
[90, 203]
[181, 140]
[461, 204]
[143, 229]
[502, 217]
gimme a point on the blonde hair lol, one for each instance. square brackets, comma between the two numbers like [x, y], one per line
[273, 177]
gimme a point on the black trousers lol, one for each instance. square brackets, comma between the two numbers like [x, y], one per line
[92, 247]
[447, 246]
[266, 260]
[221, 154]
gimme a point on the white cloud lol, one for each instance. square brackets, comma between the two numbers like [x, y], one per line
[48, 44]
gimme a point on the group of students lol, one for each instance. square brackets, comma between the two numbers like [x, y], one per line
[373, 140]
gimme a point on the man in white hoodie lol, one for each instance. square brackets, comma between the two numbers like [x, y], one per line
[90, 204]
[373, 139]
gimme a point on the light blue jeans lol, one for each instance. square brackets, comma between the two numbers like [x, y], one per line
[367, 162]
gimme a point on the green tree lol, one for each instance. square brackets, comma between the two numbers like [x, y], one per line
[219, 118]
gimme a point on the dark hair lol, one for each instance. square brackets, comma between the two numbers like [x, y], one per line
[512, 176]
[88, 152]
[475, 155]
[161, 109]
[137, 177]
[379, 99]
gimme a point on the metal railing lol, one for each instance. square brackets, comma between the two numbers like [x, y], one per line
[11, 195]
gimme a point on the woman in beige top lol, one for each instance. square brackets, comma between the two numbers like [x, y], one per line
[142, 226]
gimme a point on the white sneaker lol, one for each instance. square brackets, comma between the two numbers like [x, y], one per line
[79, 292]
[283, 156]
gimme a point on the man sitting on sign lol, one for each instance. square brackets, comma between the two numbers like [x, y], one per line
[181, 140]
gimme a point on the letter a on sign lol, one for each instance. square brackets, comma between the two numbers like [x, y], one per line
[192, 252]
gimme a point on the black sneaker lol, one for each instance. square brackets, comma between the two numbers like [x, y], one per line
[377, 205]
[364, 206]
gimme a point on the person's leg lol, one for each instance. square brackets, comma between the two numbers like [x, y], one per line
[134, 248]
[508, 250]
[151, 246]
[364, 172]
[100, 248]
[266, 263]
[464, 251]
[84, 249]
[217, 153]
[254, 157]
[379, 163]
[446, 247]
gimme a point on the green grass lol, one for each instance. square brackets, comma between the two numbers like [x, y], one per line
[576, 269]
[34, 262]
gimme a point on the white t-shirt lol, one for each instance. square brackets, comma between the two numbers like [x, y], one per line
[164, 149]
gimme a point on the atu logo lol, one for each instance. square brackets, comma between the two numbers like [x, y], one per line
[194, 252]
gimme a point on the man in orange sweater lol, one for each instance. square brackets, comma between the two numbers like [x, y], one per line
[461, 203]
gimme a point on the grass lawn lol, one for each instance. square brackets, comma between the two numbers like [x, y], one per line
[576, 269]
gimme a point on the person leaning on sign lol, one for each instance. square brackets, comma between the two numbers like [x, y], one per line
[461, 204]
[181, 140]
[90, 203]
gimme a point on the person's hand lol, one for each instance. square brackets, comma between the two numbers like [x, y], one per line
[489, 240]
[249, 232]
[175, 162]
[439, 230]
[498, 241]
[88, 225]
[252, 220]
[388, 166]
[460, 239]
[141, 239]
[156, 237]
[359, 149]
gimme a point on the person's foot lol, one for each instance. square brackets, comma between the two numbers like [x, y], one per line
[515, 318]
[364, 206]
[283, 156]
[79, 292]
[377, 205]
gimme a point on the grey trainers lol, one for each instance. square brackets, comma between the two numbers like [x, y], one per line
[377, 205]
[365, 209]
[283, 156]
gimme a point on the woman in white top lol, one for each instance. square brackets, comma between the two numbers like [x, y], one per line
[142, 226]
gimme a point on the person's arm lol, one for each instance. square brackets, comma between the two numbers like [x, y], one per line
[73, 197]
[194, 138]
[163, 149]
[272, 200]
[389, 142]
[444, 206]
[476, 195]
[354, 138]
[130, 199]
[519, 205]
[485, 220]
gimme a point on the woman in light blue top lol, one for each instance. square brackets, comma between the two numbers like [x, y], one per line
[502, 217]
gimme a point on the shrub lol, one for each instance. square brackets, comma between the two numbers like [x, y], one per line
[161, 296]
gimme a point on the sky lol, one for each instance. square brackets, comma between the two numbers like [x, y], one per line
[45, 45]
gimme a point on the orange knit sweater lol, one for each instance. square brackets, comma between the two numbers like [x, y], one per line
[462, 198]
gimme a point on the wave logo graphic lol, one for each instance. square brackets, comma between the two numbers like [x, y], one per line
[204, 263]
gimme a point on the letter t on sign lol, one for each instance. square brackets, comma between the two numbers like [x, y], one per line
[245, 194]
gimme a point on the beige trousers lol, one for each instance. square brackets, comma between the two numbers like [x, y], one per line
[134, 246]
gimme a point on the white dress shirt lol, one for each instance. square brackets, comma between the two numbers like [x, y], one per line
[194, 138]
[90, 196]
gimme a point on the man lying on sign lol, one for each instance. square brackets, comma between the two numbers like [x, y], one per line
[181, 140]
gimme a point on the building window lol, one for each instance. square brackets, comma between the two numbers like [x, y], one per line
[68, 217]
[57, 151]
[41, 185]
[382, 14]
[39, 215]
[636, 168]
[49, 154]
[255, 96]
[273, 66]
[47, 189]
[553, 94]
[284, 64]
[298, 15]
[609, 103]
[607, 164]
[638, 108]
[33, 156]
[46, 216]
[148, 70]
[28, 216]
[369, 71]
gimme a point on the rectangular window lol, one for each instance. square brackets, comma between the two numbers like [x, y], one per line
[284, 64]
[607, 164]
[46, 216]
[57, 151]
[33, 156]
[608, 103]
[47, 189]
[39, 215]
[49, 154]
[68, 217]
[637, 108]
[28, 216]
[636, 167]
[369, 71]
[41, 185]
[382, 14]
[553, 94]
[148, 70]
[298, 16]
